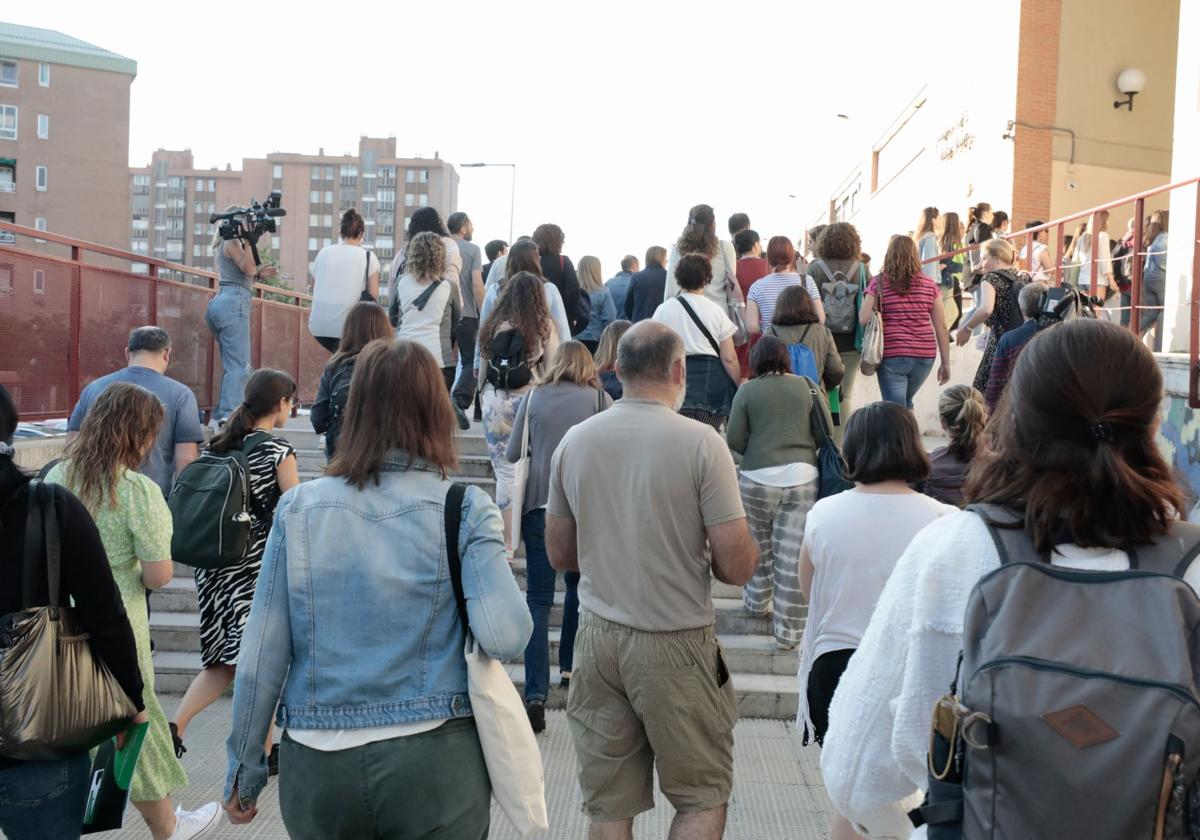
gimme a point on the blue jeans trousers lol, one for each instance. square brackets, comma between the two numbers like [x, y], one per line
[44, 799]
[900, 377]
[539, 595]
[228, 319]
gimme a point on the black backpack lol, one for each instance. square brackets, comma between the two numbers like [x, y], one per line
[508, 366]
[339, 395]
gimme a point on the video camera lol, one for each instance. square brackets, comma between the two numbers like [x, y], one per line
[250, 223]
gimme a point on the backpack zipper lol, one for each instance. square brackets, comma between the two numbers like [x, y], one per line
[1045, 665]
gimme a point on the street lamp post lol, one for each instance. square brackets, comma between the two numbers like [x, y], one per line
[512, 193]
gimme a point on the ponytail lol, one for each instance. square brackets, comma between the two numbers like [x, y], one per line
[264, 389]
[964, 415]
[975, 213]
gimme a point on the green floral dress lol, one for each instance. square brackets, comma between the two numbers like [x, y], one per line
[139, 528]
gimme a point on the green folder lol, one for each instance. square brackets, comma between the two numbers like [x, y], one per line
[835, 404]
[112, 773]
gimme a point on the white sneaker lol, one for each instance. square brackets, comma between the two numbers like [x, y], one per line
[214, 424]
[189, 824]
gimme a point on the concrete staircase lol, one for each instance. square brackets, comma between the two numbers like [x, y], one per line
[765, 678]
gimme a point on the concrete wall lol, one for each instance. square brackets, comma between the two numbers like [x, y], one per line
[1179, 429]
[1185, 164]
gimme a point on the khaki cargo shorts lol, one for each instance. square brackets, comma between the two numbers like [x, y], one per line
[640, 698]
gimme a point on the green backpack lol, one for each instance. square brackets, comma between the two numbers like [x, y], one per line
[210, 506]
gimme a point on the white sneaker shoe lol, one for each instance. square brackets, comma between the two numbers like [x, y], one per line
[189, 824]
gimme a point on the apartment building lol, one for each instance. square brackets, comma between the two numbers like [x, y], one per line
[172, 201]
[64, 135]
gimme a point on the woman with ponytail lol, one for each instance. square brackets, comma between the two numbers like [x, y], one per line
[1073, 456]
[699, 236]
[979, 230]
[225, 594]
[964, 416]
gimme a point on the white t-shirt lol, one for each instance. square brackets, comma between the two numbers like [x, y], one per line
[337, 286]
[672, 313]
[335, 740]
[429, 326]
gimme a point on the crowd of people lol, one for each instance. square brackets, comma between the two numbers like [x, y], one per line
[715, 422]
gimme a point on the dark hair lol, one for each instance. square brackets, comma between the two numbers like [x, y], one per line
[365, 322]
[839, 241]
[999, 218]
[456, 221]
[743, 241]
[693, 271]
[794, 307]
[974, 214]
[352, 226]
[628, 262]
[1034, 236]
[700, 234]
[494, 249]
[264, 389]
[549, 239]
[646, 353]
[781, 253]
[1074, 441]
[738, 222]
[148, 340]
[425, 219]
[814, 239]
[523, 256]
[883, 443]
[398, 400]
[770, 355]
[521, 305]
[8, 416]
[656, 255]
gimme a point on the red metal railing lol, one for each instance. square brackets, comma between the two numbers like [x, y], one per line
[1023, 239]
[65, 321]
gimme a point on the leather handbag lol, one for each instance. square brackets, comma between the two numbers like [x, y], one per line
[510, 749]
[520, 477]
[57, 698]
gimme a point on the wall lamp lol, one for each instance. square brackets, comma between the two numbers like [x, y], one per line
[1130, 83]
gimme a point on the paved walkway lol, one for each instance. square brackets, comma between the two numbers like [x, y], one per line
[777, 791]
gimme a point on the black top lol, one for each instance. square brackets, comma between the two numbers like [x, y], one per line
[86, 578]
[646, 289]
[560, 271]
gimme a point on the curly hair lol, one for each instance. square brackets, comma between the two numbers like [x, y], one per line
[119, 428]
[425, 219]
[839, 241]
[425, 256]
[700, 233]
[549, 239]
[901, 263]
[522, 307]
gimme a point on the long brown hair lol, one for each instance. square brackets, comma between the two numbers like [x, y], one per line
[926, 224]
[398, 400]
[1073, 441]
[365, 322]
[700, 233]
[1160, 222]
[572, 362]
[116, 434]
[521, 305]
[975, 214]
[606, 350]
[264, 389]
[901, 263]
[952, 233]
[522, 256]
[793, 307]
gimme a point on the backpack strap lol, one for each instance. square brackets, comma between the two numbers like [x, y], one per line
[696, 320]
[454, 502]
[824, 268]
[1172, 553]
[1007, 529]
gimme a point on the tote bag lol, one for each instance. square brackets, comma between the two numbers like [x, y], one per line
[872, 343]
[510, 749]
[520, 477]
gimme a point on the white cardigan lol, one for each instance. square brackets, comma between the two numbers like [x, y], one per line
[873, 761]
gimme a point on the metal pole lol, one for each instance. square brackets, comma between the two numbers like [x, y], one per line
[1060, 254]
[1135, 274]
[1094, 254]
[512, 202]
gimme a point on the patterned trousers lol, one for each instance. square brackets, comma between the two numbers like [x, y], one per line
[776, 516]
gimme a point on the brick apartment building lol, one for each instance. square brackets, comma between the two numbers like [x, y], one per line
[64, 135]
[171, 201]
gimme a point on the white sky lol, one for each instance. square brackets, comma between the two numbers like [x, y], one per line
[619, 116]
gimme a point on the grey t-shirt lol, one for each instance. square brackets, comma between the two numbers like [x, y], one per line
[643, 484]
[550, 410]
[472, 260]
[229, 271]
[181, 418]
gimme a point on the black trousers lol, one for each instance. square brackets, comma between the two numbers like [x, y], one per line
[464, 335]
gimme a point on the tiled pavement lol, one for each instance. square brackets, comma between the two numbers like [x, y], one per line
[777, 786]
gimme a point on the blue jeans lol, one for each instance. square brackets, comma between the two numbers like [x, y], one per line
[44, 799]
[900, 377]
[539, 595]
[228, 318]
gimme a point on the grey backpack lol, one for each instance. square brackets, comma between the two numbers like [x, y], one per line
[1079, 717]
[839, 296]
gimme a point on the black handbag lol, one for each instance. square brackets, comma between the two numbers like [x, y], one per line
[831, 466]
[366, 295]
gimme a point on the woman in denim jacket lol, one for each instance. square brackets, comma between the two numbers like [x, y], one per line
[355, 634]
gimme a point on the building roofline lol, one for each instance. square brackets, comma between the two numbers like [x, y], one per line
[47, 45]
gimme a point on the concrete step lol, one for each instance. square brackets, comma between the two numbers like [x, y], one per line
[305, 439]
[178, 596]
[521, 573]
[474, 466]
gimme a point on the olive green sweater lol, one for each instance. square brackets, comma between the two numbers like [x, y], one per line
[770, 422]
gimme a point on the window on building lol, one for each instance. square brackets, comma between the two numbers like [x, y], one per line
[410, 200]
[329, 196]
[328, 241]
[327, 220]
[277, 171]
[314, 197]
[199, 185]
[197, 229]
[9, 72]
[39, 223]
[424, 176]
[175, 182]
[196, 250]
[44, 74]
[43, 128]
[8, 122]
[329, 173]
[212, 184]
[39, 281]
[424, 199]
[212, 207]
[275, 243]
[312, 243]
[313, 220]
[368, 159]
[6, 274]
[42, 179]
[8, 177]
[410, 176]
[314, 173]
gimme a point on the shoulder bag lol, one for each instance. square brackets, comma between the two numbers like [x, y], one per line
[735, 302]
[510, 749]
[57, 698]
[872, 343]
[366, 295]
[831, 466]
[520, 476]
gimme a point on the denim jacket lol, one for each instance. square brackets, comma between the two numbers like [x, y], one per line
[354, 620]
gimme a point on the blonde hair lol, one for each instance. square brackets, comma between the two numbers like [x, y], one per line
[1001, 249]
[425, 257]
[606, 350]
[964, 415]
[572, 362]
[216, 237]
[119, 429]
[590, 279]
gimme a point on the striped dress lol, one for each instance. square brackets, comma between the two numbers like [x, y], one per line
[225, 594]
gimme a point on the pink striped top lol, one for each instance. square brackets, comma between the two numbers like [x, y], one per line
[907, 319]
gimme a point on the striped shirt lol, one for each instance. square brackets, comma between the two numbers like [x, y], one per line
[765, 292]
[907, 324]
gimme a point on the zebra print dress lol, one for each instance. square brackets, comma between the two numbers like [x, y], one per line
[225, 594]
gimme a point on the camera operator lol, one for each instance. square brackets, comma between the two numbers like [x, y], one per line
[228, 316]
